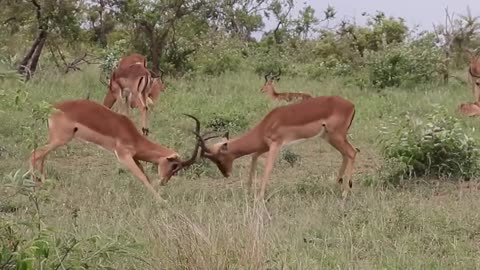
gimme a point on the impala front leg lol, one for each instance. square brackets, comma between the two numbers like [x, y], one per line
[272, 156]
[131, 164]
[253, 168]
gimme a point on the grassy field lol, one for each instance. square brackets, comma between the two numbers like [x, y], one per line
[211, 222]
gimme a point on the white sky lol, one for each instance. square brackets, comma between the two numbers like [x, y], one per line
[416, 12]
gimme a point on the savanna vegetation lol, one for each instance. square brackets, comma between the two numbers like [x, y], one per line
[415, 195]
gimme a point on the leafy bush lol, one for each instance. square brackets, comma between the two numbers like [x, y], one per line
[233, 122]
[290, 157]
[402, 64]
[436, 146]
[111, 55]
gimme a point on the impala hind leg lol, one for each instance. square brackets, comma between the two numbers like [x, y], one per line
[348, 155]
[60, 132]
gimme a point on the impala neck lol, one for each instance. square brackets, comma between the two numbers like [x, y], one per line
[150, 151]
[248, 144]
[271, 91]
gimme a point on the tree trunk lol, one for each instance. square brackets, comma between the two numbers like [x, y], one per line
[102, 37]
[29, 63]
[155, 54]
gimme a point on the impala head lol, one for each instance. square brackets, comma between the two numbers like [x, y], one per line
[157, 86]
[270, 78]
[218, 153]
[170, 165]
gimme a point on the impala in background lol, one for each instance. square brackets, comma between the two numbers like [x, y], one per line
[269, 89]
[132, 83]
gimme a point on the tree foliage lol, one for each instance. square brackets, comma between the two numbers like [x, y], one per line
[214, 36]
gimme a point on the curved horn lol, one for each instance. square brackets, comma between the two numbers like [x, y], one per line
[266, 76]
[279, 72]
[193, 158]
[203, 139]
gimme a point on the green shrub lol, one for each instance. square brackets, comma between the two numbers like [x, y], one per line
[436, 146]
[290, 157]
[224, 122]
[401, 64]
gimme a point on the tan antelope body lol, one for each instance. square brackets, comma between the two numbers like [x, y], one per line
[474, 75]
[329, 117]
[269, 89]
[132, 59]
[91, 122]
[132, 83]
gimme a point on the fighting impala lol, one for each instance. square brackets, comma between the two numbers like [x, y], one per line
[269, 89]
[132, 83]
[91, 122]
[329, 117]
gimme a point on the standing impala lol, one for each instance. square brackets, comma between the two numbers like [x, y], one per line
[329, 117]
[269, 89]
[133, 83]
[474, 74]
[91, 122]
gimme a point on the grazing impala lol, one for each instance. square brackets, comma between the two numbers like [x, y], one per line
[329, 117]
[91, 122]
[269, 89]
[133, 83]
[138, 59]
[474, 74]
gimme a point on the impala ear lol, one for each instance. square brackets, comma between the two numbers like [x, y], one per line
[149, 101]
[224, 147]
[172, 157]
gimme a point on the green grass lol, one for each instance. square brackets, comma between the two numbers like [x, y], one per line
[211, 222]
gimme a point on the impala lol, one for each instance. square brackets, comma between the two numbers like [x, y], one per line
[91, 122]
[269, 89]
[138, 59]
[134, 84]
[329, 117]
[470, 109]
[474, 73]
[132, 59]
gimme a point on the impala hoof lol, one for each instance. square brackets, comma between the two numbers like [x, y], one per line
[145, 131]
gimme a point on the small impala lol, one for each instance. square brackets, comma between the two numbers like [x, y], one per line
[269, 89]
[133, 83]
[329, 117]
[91, 122]
[474, 73]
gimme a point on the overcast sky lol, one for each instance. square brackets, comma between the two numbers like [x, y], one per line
[416, 12]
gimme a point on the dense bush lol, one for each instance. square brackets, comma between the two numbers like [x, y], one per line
[436, 146]
[403, 64]
[227, 122]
